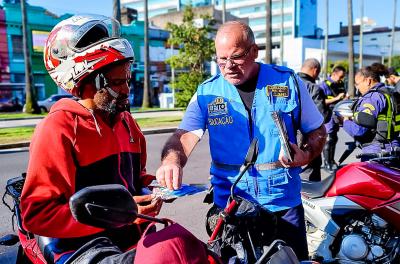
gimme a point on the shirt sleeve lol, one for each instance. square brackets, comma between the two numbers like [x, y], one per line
[311, 118]
[194, 120]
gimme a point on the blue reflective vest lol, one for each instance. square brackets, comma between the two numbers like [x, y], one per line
[230, 137]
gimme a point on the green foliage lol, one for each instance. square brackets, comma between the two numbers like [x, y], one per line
[195, 48]
[395, 62]
[186, 86]
[333, 64]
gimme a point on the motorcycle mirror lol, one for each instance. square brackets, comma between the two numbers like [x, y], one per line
[104, 206]
[366, 120]
[252, 152]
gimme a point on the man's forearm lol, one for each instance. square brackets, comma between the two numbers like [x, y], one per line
[178, 147]
[315, 141]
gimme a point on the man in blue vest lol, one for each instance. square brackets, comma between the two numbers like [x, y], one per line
[235, 106]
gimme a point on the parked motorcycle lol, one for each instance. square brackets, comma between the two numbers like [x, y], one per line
[244, 232]
[93, 206]
[353, 216]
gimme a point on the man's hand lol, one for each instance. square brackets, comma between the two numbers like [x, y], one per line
[169, 175]
[312, 146]
[300, 157]
[340, 96]
[148, 205]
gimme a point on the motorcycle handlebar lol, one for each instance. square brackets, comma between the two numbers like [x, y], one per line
[395, 152]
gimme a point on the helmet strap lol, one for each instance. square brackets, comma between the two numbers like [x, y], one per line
[102, 82]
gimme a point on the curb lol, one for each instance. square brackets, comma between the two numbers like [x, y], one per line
[132, 113]
[145, 132]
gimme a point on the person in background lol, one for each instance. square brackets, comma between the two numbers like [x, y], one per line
[334, 90]
[393, 79]
[375, 102]
[309, 74]
[235, 106]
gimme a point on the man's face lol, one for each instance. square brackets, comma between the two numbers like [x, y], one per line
[338, 76]
[118, 81]
[391, 80]
[362, 83]
[234, 57]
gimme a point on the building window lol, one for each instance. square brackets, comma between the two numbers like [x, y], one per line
[17, 50]
[373, 39]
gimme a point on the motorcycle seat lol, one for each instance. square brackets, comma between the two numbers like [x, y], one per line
[317, 189]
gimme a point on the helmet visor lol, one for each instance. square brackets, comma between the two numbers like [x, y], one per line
[88, 30]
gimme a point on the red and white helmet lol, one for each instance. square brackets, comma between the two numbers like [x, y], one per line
[81, 45]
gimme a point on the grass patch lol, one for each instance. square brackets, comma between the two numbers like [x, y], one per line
[159, 121]
[20, 115]
[20, 134]
[15, 134]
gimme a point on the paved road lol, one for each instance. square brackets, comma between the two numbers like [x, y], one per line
[188, 211]
[35, 121]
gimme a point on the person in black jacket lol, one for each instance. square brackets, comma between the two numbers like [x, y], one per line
[309, 73]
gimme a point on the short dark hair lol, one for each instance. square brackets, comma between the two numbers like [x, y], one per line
[392, 71]
[370, 72]
[311, 63]
[339, 68]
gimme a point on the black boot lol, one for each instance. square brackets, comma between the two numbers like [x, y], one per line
[329, 152]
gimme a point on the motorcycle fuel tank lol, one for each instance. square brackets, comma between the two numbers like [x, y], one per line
[368, 179]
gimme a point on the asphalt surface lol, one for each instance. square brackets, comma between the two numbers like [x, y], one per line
[189, 211]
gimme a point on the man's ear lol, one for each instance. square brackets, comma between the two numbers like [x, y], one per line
[255, 50]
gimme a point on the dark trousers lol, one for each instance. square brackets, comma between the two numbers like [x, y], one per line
[312, 172]
[292, 230]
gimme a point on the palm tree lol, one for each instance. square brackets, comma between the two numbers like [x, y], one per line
[282, 33]
[325, 60]
[393, 32]
[146, 84]
[30, 95]
[268, 33]
[117, 10]
[350, 86]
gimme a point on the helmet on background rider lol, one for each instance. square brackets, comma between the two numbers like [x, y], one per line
[81, 45]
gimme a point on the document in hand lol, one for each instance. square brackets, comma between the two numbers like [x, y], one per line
[283, 136]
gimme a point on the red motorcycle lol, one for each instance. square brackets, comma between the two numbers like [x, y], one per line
[93, 206]
[353, 216]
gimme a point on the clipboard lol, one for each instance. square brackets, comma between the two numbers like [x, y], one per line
[283, 135]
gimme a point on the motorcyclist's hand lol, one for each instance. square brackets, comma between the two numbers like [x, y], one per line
[148, 204]
[169, 175]
[300, 157]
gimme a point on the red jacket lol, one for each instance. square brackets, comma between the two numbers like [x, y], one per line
[72, 149]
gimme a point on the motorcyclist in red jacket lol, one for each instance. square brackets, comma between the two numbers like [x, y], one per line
[87, 142]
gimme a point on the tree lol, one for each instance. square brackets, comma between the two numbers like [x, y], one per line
[351, 90]
[146, 85]
[268, 32]
[195, 49]
[31, 105]
[395, 62]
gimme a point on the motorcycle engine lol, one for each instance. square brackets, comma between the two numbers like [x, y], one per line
[368, 241]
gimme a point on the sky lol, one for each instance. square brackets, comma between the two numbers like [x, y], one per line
[379, 10]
